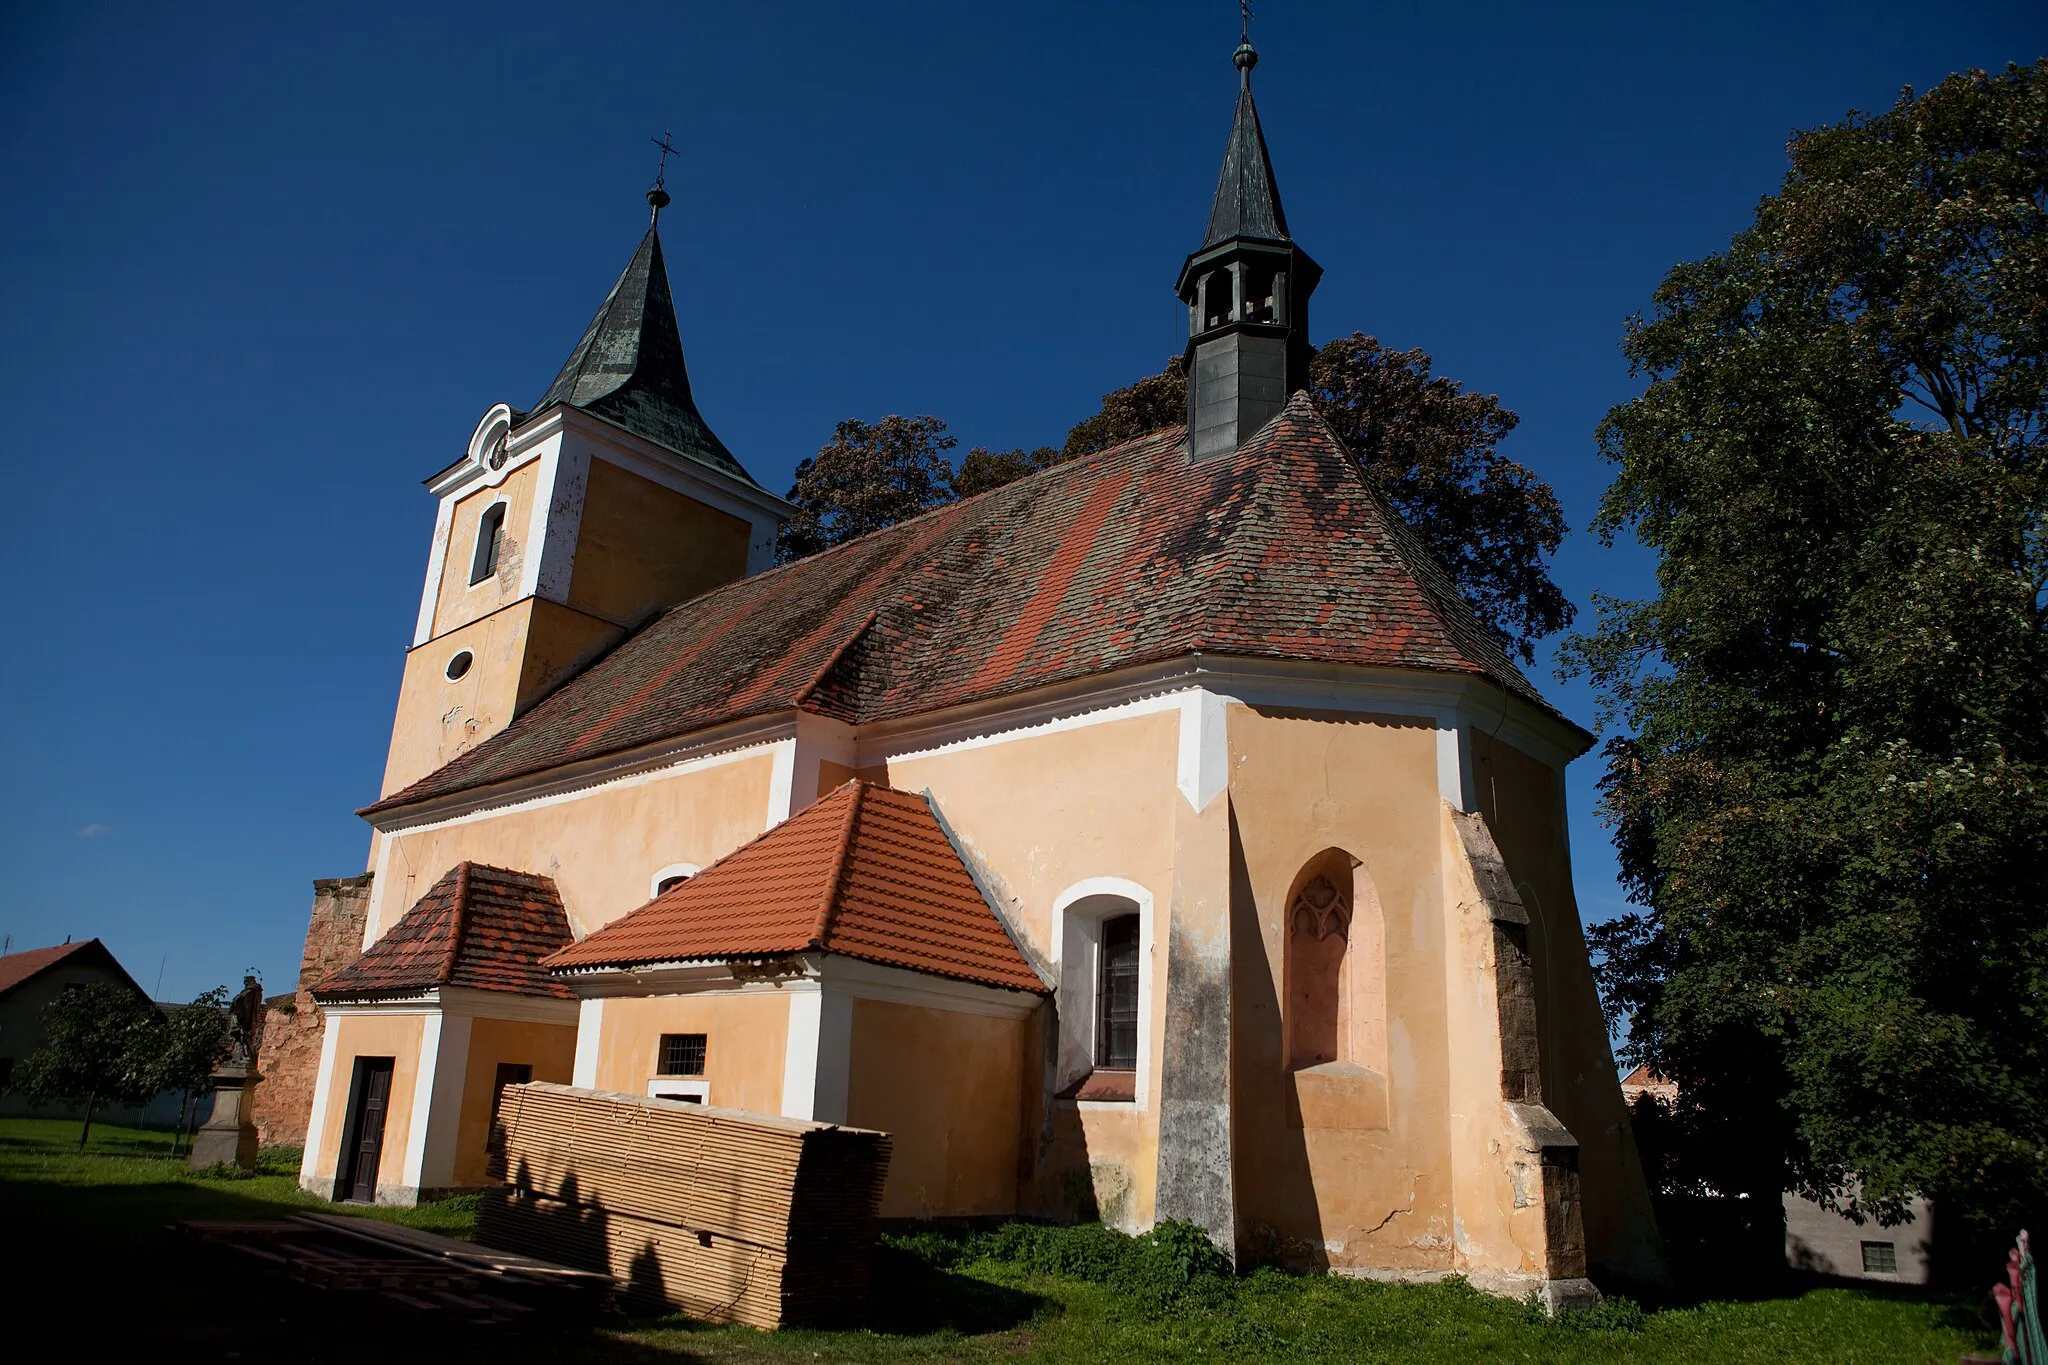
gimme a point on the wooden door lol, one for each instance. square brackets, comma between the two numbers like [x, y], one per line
[365, 1145]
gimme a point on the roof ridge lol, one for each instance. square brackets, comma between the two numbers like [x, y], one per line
[459, 921]
[835, 890]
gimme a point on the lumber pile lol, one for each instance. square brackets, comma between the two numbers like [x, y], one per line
[725, 1215]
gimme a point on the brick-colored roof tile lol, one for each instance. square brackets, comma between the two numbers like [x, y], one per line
[481, 927]
[1133, 555]
[866, 871]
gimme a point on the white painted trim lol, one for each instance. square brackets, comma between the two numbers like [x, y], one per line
[746, 501]
[558, 503]
[316, 1155]
[662, 874]
[1454, 766]
[422, 1099]
[858, 979]
[800, 1050]
[679, 978]
[435, 1166]
[437, 564]
[589, 1037]
[781, 782]
[1077, 915]
[463, 1002]
[835, 1053]
[1204, 767]
[380, 887]
[691, 753]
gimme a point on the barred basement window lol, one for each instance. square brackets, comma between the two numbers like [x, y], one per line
[1116, 995]
[1880, 1258]
[490, 534]
[682, 1054]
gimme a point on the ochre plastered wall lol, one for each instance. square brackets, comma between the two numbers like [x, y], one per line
[1045, 812]
[550, 1049]
[746, 1035]
[459, 601]
[1380, 1193]
[641, 547]
[948, 1086]
[396, 1036]
[601, 847]
[1523, 801]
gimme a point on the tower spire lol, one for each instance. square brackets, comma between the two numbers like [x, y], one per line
[1246, 288]
[657, 197]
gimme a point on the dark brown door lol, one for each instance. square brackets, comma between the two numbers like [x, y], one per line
[370, 1096]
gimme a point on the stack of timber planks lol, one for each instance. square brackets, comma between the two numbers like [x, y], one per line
[725, 1215]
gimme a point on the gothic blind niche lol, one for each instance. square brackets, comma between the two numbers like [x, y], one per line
[1335, 967]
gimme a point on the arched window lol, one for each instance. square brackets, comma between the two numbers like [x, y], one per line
[1116, 995]
[490, 535]
[1258, 293]
[1217, 303]
[1335, 967]
[674, 875]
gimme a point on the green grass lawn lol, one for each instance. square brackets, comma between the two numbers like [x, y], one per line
[96, 1273]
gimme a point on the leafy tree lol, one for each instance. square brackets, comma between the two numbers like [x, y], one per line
[1829, 785]
[870, 476]
[196, 1038]
[1432, 448]
[1157, 400]
[101, 1043]
[983, 469]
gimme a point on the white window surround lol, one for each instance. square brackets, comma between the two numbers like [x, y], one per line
[1078, 913]
[672, 870]
[679, 1088]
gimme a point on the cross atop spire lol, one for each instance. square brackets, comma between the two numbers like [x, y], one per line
[657, 197]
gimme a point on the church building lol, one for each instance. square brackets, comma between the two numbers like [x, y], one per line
[1159, 836]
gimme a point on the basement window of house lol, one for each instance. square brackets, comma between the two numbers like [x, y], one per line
[490, 535]
[682, 1054]
[1880, 1258]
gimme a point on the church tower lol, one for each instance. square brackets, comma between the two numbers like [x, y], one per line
[564, 527]
[1246, 289]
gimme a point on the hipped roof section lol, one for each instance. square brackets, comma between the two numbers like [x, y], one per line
[866, 872]
[480, 927]
[1133, 555]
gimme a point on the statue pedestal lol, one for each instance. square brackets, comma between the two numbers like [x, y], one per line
[227, 1138]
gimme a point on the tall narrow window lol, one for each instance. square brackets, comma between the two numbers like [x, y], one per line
[490, 534]
[1318, 936]
[1116, 995]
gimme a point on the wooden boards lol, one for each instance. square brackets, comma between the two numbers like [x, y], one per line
[725, 1215]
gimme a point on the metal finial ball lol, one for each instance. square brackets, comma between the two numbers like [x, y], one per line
[1246, 57]
[658, 197]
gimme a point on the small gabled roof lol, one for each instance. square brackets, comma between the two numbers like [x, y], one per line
[481, 927]
[866, 872]
[1128, 556]
[628, 367]
[18, 969]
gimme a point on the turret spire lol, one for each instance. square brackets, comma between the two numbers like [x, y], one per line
[1246, 288]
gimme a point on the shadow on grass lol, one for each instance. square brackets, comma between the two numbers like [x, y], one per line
[911, 1297]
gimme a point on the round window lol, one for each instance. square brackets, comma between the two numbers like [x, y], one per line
[459, 665]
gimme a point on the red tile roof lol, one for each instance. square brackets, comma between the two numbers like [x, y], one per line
[1133, 555]
[485, 928]
[866, 871]
[18, 969]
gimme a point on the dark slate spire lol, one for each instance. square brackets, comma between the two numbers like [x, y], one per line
[1247, 200]
[628, 368]
[1246, 289]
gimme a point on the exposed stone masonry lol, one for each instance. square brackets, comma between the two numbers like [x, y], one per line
[290, 1062]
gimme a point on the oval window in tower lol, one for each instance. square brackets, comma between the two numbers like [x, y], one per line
[459, 665]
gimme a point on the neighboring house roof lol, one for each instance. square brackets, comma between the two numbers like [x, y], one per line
[481, 927]
[18, 969]
[865, 871]
[1132, 555]
[628, 367]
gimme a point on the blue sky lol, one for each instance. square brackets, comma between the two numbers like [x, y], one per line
[265, 266]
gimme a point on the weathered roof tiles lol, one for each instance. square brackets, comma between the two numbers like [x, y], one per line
[480, 927]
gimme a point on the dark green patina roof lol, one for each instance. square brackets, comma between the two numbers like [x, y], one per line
[628, 368]
[1247, 200]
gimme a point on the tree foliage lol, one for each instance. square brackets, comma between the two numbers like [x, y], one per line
[1827, 781]
[101, 1044]
[982, 469]
[871, 475]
